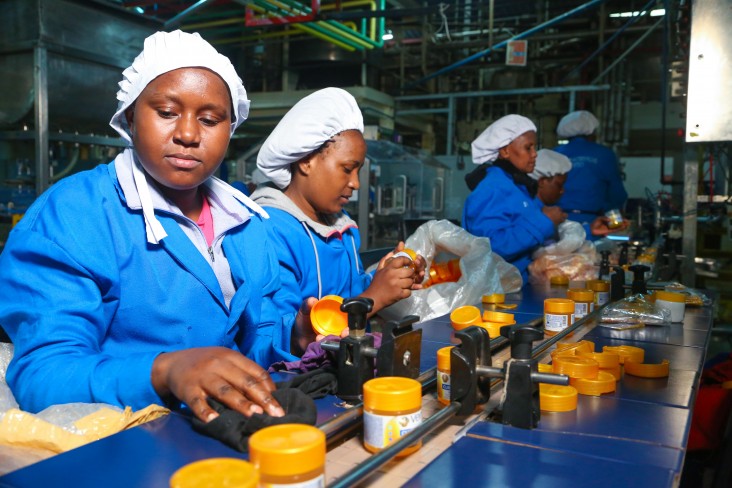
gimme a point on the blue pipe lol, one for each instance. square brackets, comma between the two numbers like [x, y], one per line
[522, 35]
[176, 20]
[592, 56]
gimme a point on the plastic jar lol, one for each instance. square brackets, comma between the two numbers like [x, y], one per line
[230, 472]
[392, 407]
[558, 314]
[443, 375]
[289, 455]
[407, 253]
[615, 218]
[584, 301]
[673, 302]
[601, 289]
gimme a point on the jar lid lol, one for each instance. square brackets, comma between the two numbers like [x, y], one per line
[598, 285]
[604, 359]
[559, 280]
[443, 358]
[502, 317]
[494, 298]
[604, 382]
[635, 354]
[230, 472]
[559, 305]
[580, 294]
[557, 398]
[545, 368]
[647, 370]
[670, 296]
[494, 328]
[465, 316]
[576, 366]
[392, 393]
[287, 449]
[326, 316]
[575, 347]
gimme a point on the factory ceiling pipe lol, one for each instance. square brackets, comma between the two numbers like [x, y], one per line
[174, 21]
[522, 35]
[377, 38]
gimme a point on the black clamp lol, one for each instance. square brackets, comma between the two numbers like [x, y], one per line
[604, 265]
[399, 354]
[617, 284]
[639, 279]
[623, 258]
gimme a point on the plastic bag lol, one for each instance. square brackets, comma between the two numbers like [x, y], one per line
[482, 272]
[572, 256]
[692, 297]
[632, 312]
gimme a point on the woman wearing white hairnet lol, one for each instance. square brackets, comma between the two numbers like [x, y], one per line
[144, 280]
[594, 185]
[312, 158]
[502, 203]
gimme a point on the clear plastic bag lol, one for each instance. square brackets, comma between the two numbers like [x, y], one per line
[632, 312]
[482, 272]
[693, 297]
[572, 256]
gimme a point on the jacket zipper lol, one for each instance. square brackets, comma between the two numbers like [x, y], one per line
[211, 253]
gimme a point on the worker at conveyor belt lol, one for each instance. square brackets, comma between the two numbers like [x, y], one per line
[313, 158]
[502, 203]
[594, 184]
[144, 280]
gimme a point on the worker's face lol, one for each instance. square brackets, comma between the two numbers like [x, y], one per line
[551, 189]
[521, 152]
[332, 172]
[180, 127]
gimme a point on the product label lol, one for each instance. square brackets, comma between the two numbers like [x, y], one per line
[381, 430]
[556, 323]
[318, 482]
[602, 297]
[443, 386]
[581, 309]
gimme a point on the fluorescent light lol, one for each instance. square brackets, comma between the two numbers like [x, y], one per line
[139, 10]
[654, 13]
[388, 35]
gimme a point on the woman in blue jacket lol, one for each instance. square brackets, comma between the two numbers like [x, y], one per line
[313, 157]
[148, 280]
[502, 203]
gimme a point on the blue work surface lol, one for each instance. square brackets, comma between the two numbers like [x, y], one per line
[478, 462]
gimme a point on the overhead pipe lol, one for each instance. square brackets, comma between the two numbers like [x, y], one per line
[522, 35]
[376, 37]
[308, 17]
[604, 45]
[176, 20]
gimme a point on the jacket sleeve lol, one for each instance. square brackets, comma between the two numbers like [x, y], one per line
[496, 210]
[57, 320]
[616, 194]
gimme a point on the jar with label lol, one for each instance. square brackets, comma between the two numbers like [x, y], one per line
[289, 455]
[558, 315]
[601, 289]
[443, 375]
[392, 407]
[584, 301]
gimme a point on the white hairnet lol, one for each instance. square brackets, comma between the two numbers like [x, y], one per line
[258, 177]
[550, 163]
[167, 51]
[499, 134]
[308, 125]
[579, 123]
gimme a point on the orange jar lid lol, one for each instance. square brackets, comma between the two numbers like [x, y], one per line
[559, 280]
[604, 359]
[635, 354]
[443, 358]
[576, 366]
[287, 449]
[503, 317]
[494, 328]
[581, 295]
[604, 382]
[598, 285]
[577, 347]
[326, 316]
[647, 370]
[670, 296]
[494, 298]
[230, 472]
[545, 368]
[392, 393]
[559, 305]
[557, 398]
[465, 316]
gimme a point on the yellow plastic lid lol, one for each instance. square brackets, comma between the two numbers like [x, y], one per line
[453, 266]
[503, 317]
[604, 382]
[598, 285]
[443, 358]
[287, 449]
[207, 473]
[581, 295]
[494, 328]
[576, 366]
[604, 359]
[465, 316]
[326, 316]
[506, 306]
[494, 298]
[558, 305]
[559, 280]
[670, 296]
[409, 252]
[577, 347]
[557, 398]
[392, 393]
[545, 368]
[635, 354]
[647, 370]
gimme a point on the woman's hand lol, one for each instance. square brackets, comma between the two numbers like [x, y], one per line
[555, 214]
[303, 332]
[598, 227]
[193, 375]
[393, 281]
